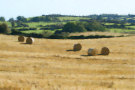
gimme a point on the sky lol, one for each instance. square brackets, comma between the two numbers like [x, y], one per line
[30, 8]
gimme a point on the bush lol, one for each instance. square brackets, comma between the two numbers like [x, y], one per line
[62, 35]
[15, 32]
[83, 26]
[73, 27]
[4, 28]
[58, 32]
[94, 26]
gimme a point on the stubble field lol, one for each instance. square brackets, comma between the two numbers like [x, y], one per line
[52, 65]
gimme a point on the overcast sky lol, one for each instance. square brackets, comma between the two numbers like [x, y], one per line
[28, 8]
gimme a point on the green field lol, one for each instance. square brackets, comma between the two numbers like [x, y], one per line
[133, 27]
[40, 27]
[72, 18]
[36, 24]
[37, 31]
[121, 30]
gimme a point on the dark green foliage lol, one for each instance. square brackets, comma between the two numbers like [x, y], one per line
[4, 28]
[83, 26]
[2, 19]
[69, 27]
[73, 24]
[62, 35]
[13, 24]
[21, 24]
[89, 37]
[21, 18]
[34, 35]
[74, 27]
[11, 20]
[15, 32]
[115, 25]
[94, 26]
[58, 32]
[44, 19]
[52, 27]
[26, 28]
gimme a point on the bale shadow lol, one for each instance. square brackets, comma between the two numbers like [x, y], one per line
[28, 43]
[70, 50]
[85, 55]
[24, 43]
[91, 55]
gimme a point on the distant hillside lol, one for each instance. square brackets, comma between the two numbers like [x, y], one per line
[56, 25]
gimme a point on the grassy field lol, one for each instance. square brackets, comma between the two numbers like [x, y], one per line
[117, 30]
[72, 18]
[131, 27]
[36, 24]
[37, 31]
[52, 65]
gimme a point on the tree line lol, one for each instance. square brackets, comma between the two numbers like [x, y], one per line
[55, 18]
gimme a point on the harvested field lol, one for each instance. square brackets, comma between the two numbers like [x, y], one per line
[52, 65]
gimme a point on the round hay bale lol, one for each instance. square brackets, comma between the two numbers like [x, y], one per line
[105, 51]
[92, 52]
[21, 38]
[30, 40]
[77, 47]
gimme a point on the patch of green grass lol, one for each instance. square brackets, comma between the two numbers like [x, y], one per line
[72, 18]
[109, 23]
[121, 30]
[133, 27]
[36, 31]
[36, 24]
[33, 31]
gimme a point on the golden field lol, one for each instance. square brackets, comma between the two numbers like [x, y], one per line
[52, 65]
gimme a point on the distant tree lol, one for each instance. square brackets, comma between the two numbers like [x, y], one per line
[15, 31]
[13, 24]
[62, 35]
[122, 24]
[44, 18]
[11, 20]
[47, 18]
[2, 19]
[69, 27]
[4, 28]
[19, 23]
[100, 17]
[35, 19]
[94, 26]
[73, 27]
[21, 18]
